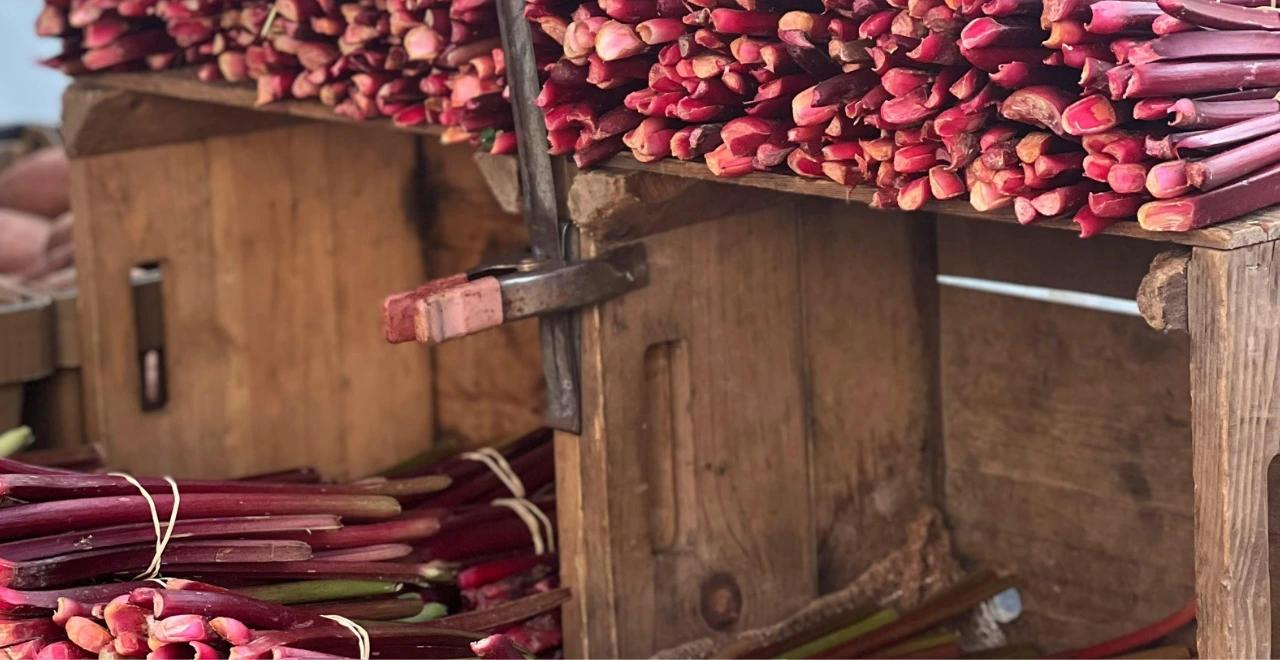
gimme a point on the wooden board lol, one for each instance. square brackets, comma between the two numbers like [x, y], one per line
[729, 468]
[98, 119]
[182, 84]
[1067, 435]
[276, 248]
[1255, 228]
[489, 387]
[1233, 310]
[870, 348]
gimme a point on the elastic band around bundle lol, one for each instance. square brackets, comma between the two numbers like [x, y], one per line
[362, 636]
[544, 535]
[498, 464]
[162, 539]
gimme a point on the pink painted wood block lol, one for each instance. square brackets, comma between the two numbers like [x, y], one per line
[459, 311]
[398, 310]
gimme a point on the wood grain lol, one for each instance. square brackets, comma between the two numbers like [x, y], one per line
[99, 120]
[500, 174]
[870, 355]
[1067, 435]
[182, 84]
[744, 428]
[1162, 297]
[737, 548]
[276, 247]
[618, 206]
[1233, 312]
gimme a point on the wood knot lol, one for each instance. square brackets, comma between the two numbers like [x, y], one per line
[721, 601]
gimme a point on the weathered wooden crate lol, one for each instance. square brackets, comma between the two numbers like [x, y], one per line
[761, 421]
[276, 238]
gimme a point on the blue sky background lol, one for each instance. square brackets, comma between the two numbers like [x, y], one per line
[29, 93]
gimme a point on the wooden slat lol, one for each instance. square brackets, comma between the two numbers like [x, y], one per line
[276, 247]
[870, 350]
[1255, 228]
[99, 120]
[1067, 434]
[691, 509]
[767, 399]
[182, 84]
[1233, 313]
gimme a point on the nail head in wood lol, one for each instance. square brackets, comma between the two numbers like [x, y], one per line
[1162, 296]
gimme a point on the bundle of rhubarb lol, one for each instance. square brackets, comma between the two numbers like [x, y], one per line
[414, 61]
[1047, 108]
[498, 544]
[284, 553]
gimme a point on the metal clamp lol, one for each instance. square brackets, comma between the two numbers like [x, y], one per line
[467, 303]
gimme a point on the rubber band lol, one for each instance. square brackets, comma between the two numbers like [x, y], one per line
[540, 528]
[162, 539]
[362, 636]
[496, 462]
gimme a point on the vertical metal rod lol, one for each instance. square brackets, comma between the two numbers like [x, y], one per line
[541, 212]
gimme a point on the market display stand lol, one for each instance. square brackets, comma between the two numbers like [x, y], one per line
[276, 238]
[761, 420]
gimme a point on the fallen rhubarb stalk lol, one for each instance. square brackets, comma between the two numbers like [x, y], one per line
[1255, 191]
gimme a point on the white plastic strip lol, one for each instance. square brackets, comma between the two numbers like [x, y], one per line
[1094, 301]
[362, 636]
[496, 462]
[544, 535]
[162, 539]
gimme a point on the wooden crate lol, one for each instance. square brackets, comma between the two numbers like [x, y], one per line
[792, 387]
[277, 238]
[761, 422]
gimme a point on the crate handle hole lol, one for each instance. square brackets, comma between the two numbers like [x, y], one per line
[146, 284]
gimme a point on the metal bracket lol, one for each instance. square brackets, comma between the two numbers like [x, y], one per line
[542, 291]
[489, 296]
[540, 200]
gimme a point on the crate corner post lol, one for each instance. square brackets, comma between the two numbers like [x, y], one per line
[1233, 310]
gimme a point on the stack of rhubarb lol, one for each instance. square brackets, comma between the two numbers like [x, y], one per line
[414, 61]
[283, 552]
[1041, 107]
